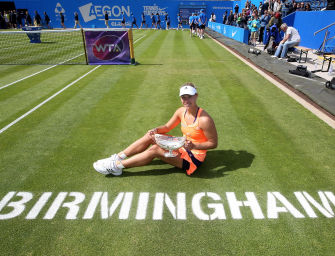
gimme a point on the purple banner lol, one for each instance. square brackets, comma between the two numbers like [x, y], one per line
[107, 47]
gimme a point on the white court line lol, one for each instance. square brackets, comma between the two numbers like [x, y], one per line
[290, 93]
[39, 72]
[53, 96]
[138, 39]
[48, 99]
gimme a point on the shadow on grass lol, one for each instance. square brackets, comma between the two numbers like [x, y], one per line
[148, 64]
[217, 164]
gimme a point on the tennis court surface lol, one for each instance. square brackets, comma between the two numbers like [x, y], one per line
[267, 189]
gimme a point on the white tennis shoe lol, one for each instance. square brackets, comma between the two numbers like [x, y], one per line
[108, 165]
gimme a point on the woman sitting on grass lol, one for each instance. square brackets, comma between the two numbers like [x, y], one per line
[196, 125]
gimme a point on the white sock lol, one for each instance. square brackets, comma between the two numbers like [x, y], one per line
[122, 155]
[119, 165]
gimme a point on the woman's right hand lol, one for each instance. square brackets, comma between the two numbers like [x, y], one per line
[151, 133]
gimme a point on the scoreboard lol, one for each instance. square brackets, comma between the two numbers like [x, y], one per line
[186, 11]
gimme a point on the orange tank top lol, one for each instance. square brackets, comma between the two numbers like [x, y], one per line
[193, 132]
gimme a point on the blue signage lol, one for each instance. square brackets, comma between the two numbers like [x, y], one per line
[92, 12]
[236, 33]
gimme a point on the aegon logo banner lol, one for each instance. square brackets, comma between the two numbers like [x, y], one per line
[204, 206]
[91, 12]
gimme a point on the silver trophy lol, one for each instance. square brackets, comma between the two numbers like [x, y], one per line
[169, 143]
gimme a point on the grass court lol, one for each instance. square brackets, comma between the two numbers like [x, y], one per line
[267, 143]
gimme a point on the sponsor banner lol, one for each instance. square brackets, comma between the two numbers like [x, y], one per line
[236, 33]
[35, 38]
[92, 12]
[107, 47]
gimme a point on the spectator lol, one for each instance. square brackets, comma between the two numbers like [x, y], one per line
[12, 18]
[123, 20]
[62, 20]
[76, 20]
[247, 5]
[308, 7]
[247, 12]
[295, 7]
[260, 7]
[224, 18]
[2, 21]
[238, 21]
[192, 24]
[265, 6]
[230, 18]
[244, 21]
[202, 23]
[153, 21]
[143, 22]
[302, 6]
[275, 20]
[277, 6]
[299, 7]
[235, 19]
[213, 17]
[271, 2]
[168, 21]
[158, 21]
[28, 19]
[106, 19]
[180, 25]
[284, 8]
[46, 20]
[19, 16]
[291, 38]
[254, 26]
[264, 20]
[133, 20]
[37, 19]
[236, 8]
[291, 7]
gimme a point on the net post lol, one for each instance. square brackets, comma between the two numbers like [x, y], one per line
[131, 47]
[84, 43]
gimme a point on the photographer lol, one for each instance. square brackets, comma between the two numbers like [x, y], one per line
[291, 38]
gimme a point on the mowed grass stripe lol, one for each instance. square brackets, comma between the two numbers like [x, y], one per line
[17, 101]
[12, 73]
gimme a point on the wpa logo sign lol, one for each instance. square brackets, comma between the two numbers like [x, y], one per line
[59, 9]
[91, 12]
[108, 47]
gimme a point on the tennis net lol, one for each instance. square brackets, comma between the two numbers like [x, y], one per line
[42, 47]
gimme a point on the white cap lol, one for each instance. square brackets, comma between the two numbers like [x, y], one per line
[190, 90]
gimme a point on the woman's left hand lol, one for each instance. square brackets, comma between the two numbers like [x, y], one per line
[188, 145]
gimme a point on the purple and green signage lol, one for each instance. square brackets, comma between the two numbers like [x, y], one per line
[107, 47]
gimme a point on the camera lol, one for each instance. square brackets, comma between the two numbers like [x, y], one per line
[302, 68]
[331, 84]
[254, 51]
[300, 71]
